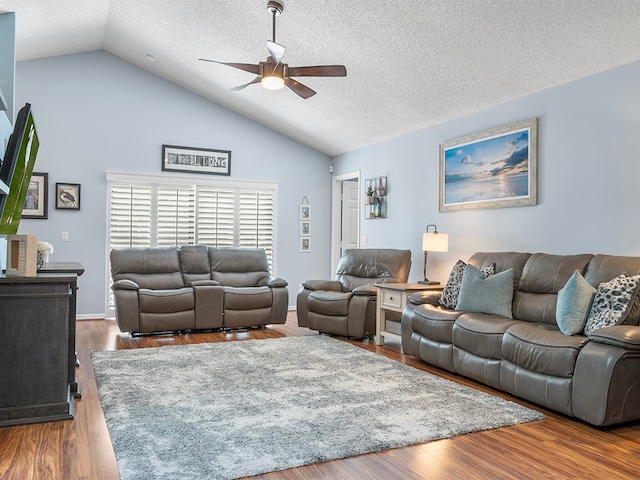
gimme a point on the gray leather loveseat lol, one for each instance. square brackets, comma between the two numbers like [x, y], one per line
[594, 377]
[195, 287]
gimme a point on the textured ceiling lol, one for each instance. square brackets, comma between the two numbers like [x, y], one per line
[410, 63]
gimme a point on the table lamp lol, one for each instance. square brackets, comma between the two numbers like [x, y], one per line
[433, 242]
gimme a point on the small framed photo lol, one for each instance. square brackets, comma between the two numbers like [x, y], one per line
[36, 202]
[196, 160]
[305, 244]
[305, 228]
[68, 196]
[305, 212]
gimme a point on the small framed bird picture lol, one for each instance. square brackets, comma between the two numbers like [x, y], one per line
[68, 196]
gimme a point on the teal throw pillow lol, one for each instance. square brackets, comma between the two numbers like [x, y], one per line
[492, 295]
[574, 303]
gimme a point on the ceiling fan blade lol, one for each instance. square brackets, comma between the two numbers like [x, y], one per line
[318, 71]
[276, 51]
[298, 88]
[242, 87]
[247, 67]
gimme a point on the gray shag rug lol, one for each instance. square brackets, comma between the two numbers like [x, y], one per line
[229, 410]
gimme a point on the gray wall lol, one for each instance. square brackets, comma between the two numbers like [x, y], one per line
[95, 112]
[588, 177]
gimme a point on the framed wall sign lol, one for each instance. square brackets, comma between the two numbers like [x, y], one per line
[491, 169]
[68, 196]
[36, 202]
[196, 160]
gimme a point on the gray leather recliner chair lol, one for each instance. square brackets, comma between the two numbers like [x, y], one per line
[346, 306]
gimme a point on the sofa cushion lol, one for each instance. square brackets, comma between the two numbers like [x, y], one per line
[239, 267]
[542, 349]
[481, 334]
[329, 303]
[542, 278]
[612, 303]
[449, 296]
[492, 295]
[152, 268]
[503, 260]
[246, 298]
[574, 302]
[545, 273]
[166, 301]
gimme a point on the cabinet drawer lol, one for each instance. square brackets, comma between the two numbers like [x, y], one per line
[391, 299]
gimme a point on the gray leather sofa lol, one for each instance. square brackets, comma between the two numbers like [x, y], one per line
[195, 287]
[595, 378]
[346, 306]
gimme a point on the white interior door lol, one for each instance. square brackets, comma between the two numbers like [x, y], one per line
[350, 215]
[345, 215]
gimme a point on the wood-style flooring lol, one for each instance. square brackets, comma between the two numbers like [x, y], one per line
[555, 448]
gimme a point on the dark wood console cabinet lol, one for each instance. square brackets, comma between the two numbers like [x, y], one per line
[37, 348]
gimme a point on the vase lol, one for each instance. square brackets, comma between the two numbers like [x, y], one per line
[42, 258]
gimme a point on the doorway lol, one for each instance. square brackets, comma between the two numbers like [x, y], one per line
[345, 215]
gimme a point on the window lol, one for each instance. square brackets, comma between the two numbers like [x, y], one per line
[150, 211]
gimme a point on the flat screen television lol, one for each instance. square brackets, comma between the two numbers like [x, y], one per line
[16, 170]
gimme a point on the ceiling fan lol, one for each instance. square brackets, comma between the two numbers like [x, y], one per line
[273, 74]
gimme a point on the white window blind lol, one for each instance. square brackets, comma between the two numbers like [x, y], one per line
[150, 211]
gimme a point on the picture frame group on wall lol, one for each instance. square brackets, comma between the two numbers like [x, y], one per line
[37, 199]
[196, 160]
[491, 169]
[68, 196]
[305, 225]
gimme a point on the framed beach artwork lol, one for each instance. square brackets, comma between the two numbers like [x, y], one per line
[491, 169]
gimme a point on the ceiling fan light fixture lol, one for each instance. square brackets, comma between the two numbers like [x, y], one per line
[272, 82]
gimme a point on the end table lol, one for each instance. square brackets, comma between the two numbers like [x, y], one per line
[393, 297]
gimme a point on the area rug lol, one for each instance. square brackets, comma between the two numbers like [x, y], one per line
[229, 410]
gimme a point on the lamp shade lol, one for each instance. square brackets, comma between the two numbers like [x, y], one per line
[435, 242]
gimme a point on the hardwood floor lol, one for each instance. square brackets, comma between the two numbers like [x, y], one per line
[555, 448]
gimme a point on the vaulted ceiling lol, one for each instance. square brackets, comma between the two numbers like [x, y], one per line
[410, 63]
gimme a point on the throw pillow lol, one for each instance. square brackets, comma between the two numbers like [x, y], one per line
[492, 295]
[574, 303]
[449, 296]
[612, 302]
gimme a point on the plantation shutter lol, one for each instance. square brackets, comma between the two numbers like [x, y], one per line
[129, 216]
[176, 216]
[256, 222]
[216, 217]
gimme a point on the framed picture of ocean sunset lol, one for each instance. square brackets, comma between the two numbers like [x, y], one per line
[490, 169]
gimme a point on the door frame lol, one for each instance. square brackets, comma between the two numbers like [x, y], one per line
[336, 214]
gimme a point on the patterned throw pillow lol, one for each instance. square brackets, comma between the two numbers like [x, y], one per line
[612, 303]
[449, 297]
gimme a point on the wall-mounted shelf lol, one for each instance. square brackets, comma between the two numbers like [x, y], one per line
[375, 200]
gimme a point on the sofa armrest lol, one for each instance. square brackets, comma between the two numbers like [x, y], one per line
[623, 336]
[369, 290]
[125, 285]
[331, 285]
[428, 297]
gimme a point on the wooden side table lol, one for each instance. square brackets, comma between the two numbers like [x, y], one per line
[393, 297]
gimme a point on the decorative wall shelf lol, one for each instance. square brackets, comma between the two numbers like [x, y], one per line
[375, 204]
